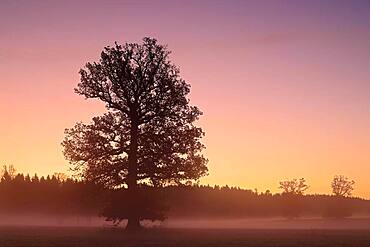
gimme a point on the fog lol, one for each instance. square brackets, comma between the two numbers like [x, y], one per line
[271, 223]
[245, 223]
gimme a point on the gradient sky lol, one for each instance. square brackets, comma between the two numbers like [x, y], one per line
[284, 85]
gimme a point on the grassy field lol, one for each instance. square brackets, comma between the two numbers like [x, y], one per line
[91, 237]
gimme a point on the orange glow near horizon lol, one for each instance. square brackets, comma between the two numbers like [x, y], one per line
[284, 89]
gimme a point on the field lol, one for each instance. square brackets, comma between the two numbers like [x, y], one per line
[91, 237]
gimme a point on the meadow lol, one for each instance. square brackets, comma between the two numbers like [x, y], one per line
[94, 237]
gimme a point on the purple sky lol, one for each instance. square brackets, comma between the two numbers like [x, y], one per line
[284, 85]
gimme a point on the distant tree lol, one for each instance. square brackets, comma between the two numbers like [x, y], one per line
[35, 178]
[339, 205]
[342, 186]
[294, 186]
[60, 176]
[267, 193]
[8, 172]
[292, 196]
[27, 179]
[148, 134]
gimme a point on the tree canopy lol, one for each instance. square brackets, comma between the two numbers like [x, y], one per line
[342, 186]
[294, 186]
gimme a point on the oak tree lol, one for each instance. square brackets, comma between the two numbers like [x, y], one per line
[148, 134]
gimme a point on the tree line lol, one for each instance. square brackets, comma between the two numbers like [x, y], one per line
[51, 195]
[63, 196]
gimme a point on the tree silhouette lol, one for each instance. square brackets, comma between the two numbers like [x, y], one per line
[293, 191]
[294, 186]
[342, 186]
[7, 172]
[148, 134]
[340, 206]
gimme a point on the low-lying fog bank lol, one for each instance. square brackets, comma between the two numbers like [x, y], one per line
[246, 223]
[272, 223]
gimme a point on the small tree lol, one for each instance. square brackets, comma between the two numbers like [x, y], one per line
[148, 134]
[339, 206]
[342, 186]
[60, 176]
[292, 196]
[294, 186]
[7, 172]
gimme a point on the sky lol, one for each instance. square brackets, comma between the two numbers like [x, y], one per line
[284, 85]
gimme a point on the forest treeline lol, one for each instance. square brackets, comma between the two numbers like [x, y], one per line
[59, 195]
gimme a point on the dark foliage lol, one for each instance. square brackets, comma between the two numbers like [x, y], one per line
[148, 134]
[294, 186]
[342, 186]
[49, 196]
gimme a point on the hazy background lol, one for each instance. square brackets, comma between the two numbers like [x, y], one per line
[284, 85]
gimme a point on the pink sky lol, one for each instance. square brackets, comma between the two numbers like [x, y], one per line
[284, 85]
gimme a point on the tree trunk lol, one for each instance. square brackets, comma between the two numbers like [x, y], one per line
[134, 217]
[133, 224]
